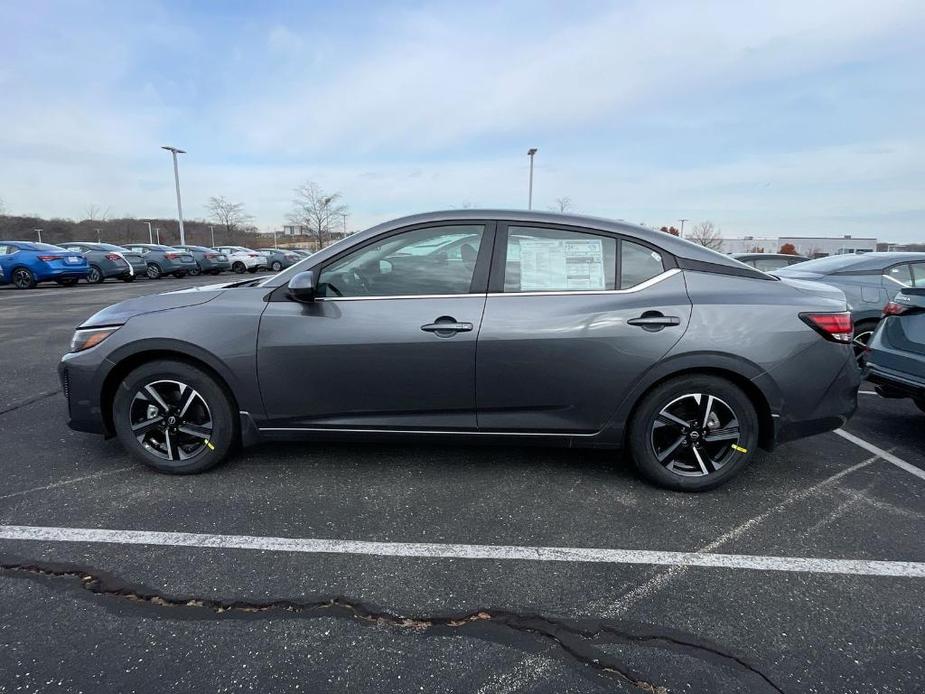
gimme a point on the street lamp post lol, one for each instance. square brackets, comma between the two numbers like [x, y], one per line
[39, 232]
[531, 153]
[681, 233]
[99, 236]
[150, 233]
[157, 233]
[212, 232]
[176, 179]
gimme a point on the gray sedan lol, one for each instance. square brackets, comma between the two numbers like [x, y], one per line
[208, 260]
[478, 325]
[164, 260]
[868, 280]
[107, 260]
[280, 258]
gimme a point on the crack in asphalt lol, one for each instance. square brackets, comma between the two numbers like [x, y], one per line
[29, 401]
[577, 638]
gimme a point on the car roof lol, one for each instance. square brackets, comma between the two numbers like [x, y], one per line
[858, 262]
[672, 244]
[33, 246]
[755, 256]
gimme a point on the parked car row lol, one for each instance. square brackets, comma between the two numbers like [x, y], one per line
[25, 263]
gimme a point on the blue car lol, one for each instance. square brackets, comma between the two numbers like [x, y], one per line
[24, 264]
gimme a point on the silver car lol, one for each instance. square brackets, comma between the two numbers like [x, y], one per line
[478, 325]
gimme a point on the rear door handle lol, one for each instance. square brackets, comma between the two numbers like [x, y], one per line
[653, 321]
[446, 326]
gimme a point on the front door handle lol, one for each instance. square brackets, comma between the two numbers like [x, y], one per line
[446, 326]
[654, 321]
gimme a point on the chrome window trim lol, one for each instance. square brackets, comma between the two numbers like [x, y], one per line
[638, 288]
[437, 432]
[400, 296]
[565, 292]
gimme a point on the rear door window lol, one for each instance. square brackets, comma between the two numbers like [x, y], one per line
[555, 260]
[918, 274]
[638, 264]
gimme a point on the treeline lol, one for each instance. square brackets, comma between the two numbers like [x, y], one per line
[126, 230]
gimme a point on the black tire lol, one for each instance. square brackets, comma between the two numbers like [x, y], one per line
[127, 408]
[95, 275]
[67, 281]
[239, 267]
[862, 335]
[154, 271]
[22, 278]
[690, 461]
[196, 271]
[276, 266]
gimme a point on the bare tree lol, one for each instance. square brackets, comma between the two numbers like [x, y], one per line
[563, 205]
[2, 207]
[319, 212]
[94, 213]
[230, 215]
[706, 234]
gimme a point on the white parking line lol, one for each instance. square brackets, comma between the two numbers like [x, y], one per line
[886, 455]
[855, 567]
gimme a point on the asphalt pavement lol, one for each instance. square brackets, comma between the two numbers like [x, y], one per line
[346, 567]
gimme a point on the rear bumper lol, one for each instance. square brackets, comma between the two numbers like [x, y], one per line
[895, 384]
[831, 409]
[54, 273]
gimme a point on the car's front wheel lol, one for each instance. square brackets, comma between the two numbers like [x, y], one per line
[154, 271]
[239, 267]
[195, 271]
[276, 266]
[174, 417]
[693, 433]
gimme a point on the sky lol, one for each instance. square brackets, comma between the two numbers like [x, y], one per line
[767, 118]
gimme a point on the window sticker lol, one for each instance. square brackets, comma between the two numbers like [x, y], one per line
[561, 264]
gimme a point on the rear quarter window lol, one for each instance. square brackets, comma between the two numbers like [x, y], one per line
[638, 264]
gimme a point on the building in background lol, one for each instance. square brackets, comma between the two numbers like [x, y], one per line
[810, 246]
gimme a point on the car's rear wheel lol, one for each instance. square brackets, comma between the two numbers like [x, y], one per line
[154, 271]
[95, 275]
[693, 433]
[22, 278]
[174, 417]
[239, 267]
[195, 271]
[862, 334]
[276, 266]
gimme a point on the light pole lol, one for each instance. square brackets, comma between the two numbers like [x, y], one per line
[157, 232]
[681, 233]
[344, 215]
[530, 153]
[39, 232]
[176, 179]
[99, 237]
[212, 232]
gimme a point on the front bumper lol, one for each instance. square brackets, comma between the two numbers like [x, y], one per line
[81, 387]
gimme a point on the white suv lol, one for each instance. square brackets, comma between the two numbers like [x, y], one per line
[242, 258]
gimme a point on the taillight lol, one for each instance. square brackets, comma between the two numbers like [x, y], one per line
[253, 255]
[171, 256]
[112, 256]
[46, 258]
[837, 327]
[211, 255]
[894, 309]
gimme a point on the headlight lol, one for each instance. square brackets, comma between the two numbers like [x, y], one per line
[85, 338]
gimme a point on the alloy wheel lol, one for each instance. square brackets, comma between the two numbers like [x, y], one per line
[153, 271]
[859, 343]
[94, 276]
[277, 266]
[22, 278]
[171, 420]
[695, 435]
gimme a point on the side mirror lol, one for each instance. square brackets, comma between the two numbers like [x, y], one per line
[302, 286]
